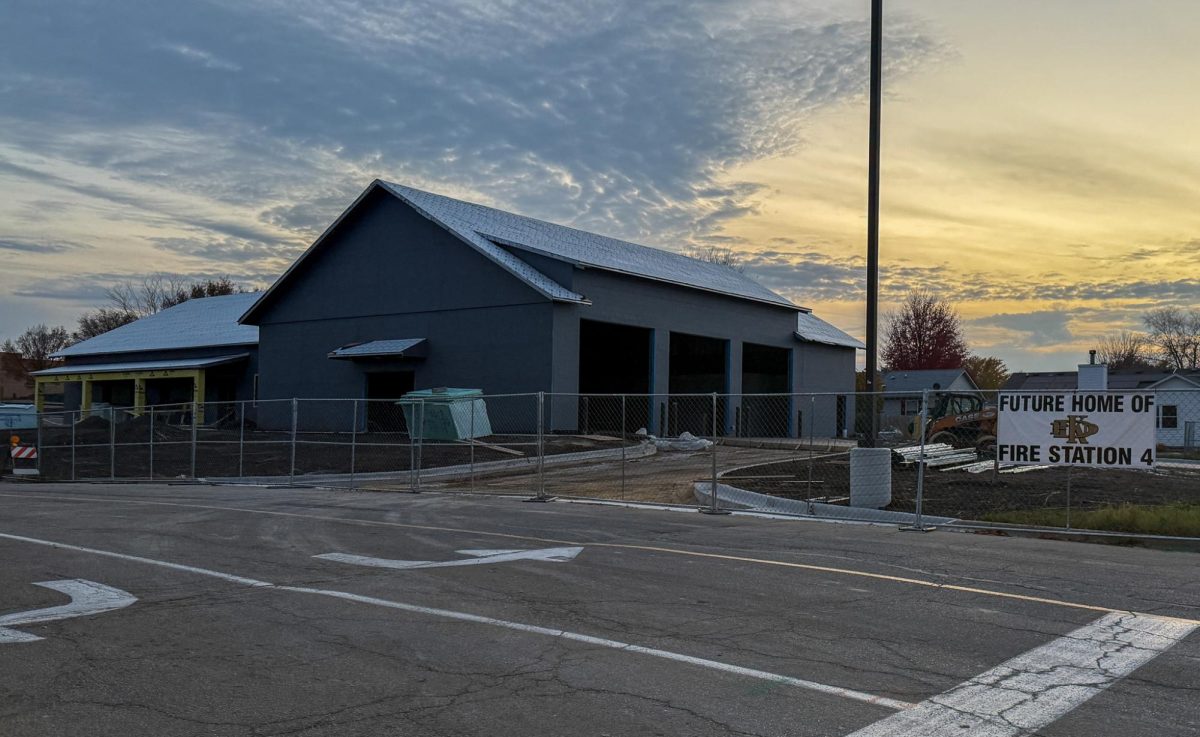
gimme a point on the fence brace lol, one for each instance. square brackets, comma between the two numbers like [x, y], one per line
[918, 524]
[541, 495]
[714, 503]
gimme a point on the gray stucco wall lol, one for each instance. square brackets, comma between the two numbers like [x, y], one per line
[666, 308]
[825, 372]
[387, 272]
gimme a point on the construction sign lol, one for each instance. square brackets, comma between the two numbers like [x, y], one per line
[1095, 429]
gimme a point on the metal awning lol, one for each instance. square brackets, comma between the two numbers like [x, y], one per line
[139, 367]
[397, 348]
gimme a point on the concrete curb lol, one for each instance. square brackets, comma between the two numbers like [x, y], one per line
[642, 450]
[824, 445]
[731, 497]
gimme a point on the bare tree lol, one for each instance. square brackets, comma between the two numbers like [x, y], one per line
[157, 292]
[717, 255]
[988, 372]
[98, 322]
[150, 295]
[37, 344]
[925, 333]
[1124, 350]
[1174, 336]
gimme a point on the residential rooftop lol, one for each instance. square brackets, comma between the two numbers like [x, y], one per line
[198, 323]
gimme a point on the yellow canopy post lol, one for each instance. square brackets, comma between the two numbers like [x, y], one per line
[198, 395]
[139, 396]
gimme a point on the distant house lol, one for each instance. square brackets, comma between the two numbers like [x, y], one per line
[904, 389]
[1177, 396]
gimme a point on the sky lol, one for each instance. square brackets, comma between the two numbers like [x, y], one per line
[1041, 169]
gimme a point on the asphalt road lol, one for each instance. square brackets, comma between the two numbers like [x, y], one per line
[664, 623]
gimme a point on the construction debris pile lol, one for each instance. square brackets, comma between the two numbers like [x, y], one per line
[946, 457]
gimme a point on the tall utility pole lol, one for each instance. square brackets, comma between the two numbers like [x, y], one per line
[873, 215]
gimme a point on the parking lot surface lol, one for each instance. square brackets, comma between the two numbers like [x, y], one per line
[195, 610]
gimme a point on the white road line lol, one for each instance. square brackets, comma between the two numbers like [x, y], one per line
[480, 557]
[138, 559]
[614, 644]
[857, 573]
[1027, 693]
[87, 597]
[477, 619]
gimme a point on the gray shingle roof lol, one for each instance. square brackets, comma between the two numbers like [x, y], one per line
[813, 329]
[197, 323]
[915, 381]
[1118, 380]
[124, 366]
[581, 247]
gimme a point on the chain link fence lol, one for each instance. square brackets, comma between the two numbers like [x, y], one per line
[934, 460]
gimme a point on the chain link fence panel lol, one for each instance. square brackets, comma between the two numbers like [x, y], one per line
[935, 453]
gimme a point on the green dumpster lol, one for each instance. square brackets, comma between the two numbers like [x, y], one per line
[445, 413]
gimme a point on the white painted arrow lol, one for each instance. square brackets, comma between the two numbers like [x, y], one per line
[87, 597]
[479, 557]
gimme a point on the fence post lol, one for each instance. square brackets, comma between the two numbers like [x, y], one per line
[918, 523]
[714, 504]
[195, 434]
[540, 496]
[1069, 496]
[471, 445]
[112, 442]
[37, 444]
[420, 442]
[151, 442]
[72, 418]
[242, 441]
[541, 443]
[623, 429]
[353, 439]
[295, 422]
[410, 419]
[812, 441]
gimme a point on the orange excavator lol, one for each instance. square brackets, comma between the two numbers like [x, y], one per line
[962, 420]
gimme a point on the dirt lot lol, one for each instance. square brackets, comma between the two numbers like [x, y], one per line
[970, 496]
[668, 477]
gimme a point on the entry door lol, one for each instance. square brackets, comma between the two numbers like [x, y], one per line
[383, 389]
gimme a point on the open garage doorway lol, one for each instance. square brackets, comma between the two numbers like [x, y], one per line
[699, 365]
[765, 370]
[383, 389]
[614, 359]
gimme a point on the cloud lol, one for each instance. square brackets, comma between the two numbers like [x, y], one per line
[201, 57]
[23, 245]
[813, 276]
[620, 117]
[232, 251]
[1039, 328]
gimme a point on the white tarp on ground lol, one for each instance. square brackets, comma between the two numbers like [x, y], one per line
[685, 442]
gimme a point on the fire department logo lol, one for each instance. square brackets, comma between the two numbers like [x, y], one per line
[1075, 429]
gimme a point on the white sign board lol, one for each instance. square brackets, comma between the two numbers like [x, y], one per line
[1097, 429]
